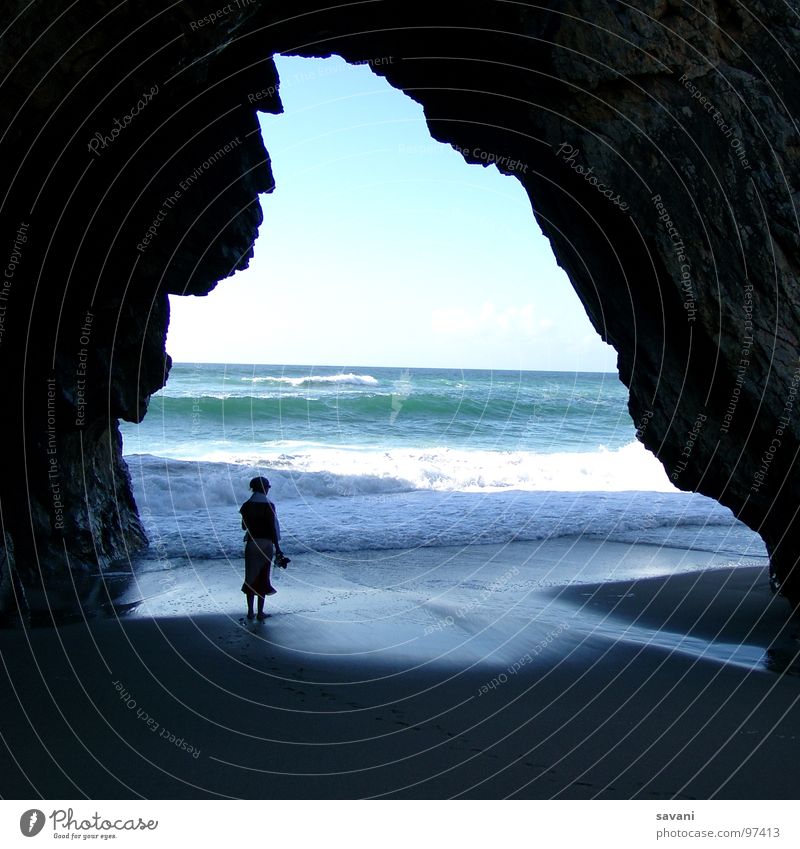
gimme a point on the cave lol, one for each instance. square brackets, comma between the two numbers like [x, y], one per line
[659, 148]
[657, 142]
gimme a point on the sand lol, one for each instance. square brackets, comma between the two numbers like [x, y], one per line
[565, 669]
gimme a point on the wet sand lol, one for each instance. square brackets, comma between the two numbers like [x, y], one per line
[563, 669]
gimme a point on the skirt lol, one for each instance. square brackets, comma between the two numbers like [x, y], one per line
[258, 554]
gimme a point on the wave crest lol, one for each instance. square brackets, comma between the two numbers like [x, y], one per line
[192, 508]
[319, 380]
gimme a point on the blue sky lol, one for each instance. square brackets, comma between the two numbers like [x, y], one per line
[382, 247]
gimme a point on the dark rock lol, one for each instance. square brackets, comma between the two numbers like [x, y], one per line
[657, 141]
[12, 594]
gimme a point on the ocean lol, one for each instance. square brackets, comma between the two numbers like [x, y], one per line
[372, 459]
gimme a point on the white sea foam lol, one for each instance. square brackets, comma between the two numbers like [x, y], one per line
[302, 471]
[318, 380]
[351, 470]
[441, 497]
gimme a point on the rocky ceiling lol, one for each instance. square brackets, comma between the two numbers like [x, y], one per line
[660, 151]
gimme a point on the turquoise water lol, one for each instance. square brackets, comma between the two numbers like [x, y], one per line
[244, 407]
[381, 458]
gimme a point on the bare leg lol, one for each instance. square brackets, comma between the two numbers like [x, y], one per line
[250, 597]
[261, 615]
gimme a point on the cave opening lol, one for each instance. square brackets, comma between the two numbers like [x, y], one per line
[403, 358]
[488, 596]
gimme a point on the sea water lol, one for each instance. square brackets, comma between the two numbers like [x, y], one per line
[388, 458]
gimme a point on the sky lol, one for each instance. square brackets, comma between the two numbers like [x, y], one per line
[382, 247]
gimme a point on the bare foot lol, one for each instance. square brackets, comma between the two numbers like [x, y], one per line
[262, 616]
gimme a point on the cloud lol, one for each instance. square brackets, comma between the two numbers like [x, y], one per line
[453, 321]
[488, 319]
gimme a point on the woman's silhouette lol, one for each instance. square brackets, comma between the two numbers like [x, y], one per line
[262, 544]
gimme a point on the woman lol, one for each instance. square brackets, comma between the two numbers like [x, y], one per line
[262, 543]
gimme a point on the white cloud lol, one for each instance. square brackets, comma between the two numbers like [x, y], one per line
[488, 319]
[453, 321]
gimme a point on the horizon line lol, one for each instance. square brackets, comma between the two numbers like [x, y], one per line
[354, 366]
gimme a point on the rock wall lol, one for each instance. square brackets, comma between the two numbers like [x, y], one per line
[657, 142]
[138, 164]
